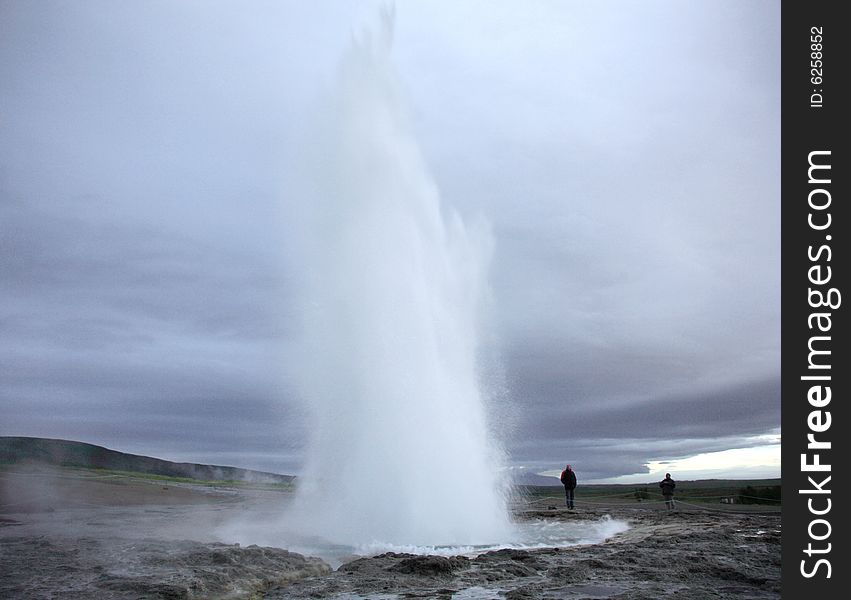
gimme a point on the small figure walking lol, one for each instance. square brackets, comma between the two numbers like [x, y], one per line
[668, 486]
[568, 478]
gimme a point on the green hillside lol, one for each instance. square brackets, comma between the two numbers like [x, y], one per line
[65, 453]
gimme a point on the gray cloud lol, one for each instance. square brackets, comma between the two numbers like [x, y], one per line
[626, 155]
[749, 409]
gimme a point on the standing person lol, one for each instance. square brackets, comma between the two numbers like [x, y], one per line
[568, 478]
[668, 486]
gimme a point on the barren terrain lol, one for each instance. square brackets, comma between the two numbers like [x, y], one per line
[83, 534]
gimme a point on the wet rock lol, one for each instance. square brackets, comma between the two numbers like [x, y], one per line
[526, 592]
[573, 573]
[142, 589]
[522, 556]
[149, 569]
[430, 565]
[373, 563]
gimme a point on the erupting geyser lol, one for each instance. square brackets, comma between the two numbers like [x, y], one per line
[401, 452]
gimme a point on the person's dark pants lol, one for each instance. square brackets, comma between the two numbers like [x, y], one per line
[569, 496]
[669, 500]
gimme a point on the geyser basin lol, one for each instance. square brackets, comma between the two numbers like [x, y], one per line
[401, 451]
[524, 535]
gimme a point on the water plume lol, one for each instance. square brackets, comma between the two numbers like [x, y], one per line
[401, 452]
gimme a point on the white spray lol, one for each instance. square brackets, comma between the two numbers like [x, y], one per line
[401, 452]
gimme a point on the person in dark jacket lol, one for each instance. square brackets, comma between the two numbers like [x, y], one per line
[668, 486]
[568, 478]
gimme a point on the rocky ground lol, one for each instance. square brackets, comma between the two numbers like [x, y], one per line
[89, 569]
[71, 537]
[693, 554]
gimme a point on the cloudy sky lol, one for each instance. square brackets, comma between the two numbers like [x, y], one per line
[626, 155]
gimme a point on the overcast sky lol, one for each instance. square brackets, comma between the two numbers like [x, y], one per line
[626, 154]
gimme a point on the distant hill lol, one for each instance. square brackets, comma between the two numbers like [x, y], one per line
[65, 453]
[525, 478]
